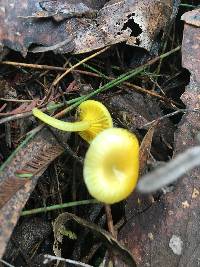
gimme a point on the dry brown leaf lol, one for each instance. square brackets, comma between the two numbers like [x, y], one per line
[33, 159]
[140, 23]
[145, 148]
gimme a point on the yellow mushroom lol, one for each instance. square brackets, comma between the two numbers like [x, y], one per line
[111, 165]
[92, 117]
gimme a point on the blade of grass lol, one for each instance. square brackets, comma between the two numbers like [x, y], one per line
[188, 5]
[59, 206]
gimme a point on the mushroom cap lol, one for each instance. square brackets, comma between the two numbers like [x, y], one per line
[111, 165]
[97, 114]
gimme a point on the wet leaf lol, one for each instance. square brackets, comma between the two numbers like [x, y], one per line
[80, 25]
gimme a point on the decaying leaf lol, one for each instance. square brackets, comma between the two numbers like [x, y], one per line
[112, 243]
[167, 233]
[9, 187]
[33, 158]
[82, 25]
[60, 10]
[19, 33]
[145, 148]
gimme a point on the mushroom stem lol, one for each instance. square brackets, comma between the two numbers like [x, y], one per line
[62, 125]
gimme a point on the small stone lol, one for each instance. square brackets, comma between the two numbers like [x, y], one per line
[195, 193]
[150, 236]
[185, 204]
[176, 244]
[170, 212]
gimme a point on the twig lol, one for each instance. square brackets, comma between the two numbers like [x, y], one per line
[170, 115]
[110, 221]
[152, 93]
[16, 100]
[6, 263]
[32, 66]
[45, 67]
[188, 5]
[111, 230]
[56, 81]
[171, 171]
[51, 258]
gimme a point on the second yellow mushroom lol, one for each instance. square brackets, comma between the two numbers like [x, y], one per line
[111, 165]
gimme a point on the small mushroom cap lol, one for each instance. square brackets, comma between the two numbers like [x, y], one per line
[111, 165]
[96, 113]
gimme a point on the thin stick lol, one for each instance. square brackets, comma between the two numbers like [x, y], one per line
[44, 67]
[16, 100]
[32, 66]
[78, 263]
[110, 221]
[16, 151]
[171, 171]
[170, 115]
[112, 231]
[189, 6]
[152, 93]
[6, 263]
[56, 81]
[136, 87]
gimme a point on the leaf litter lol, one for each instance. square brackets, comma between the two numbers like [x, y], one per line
[145, 223]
